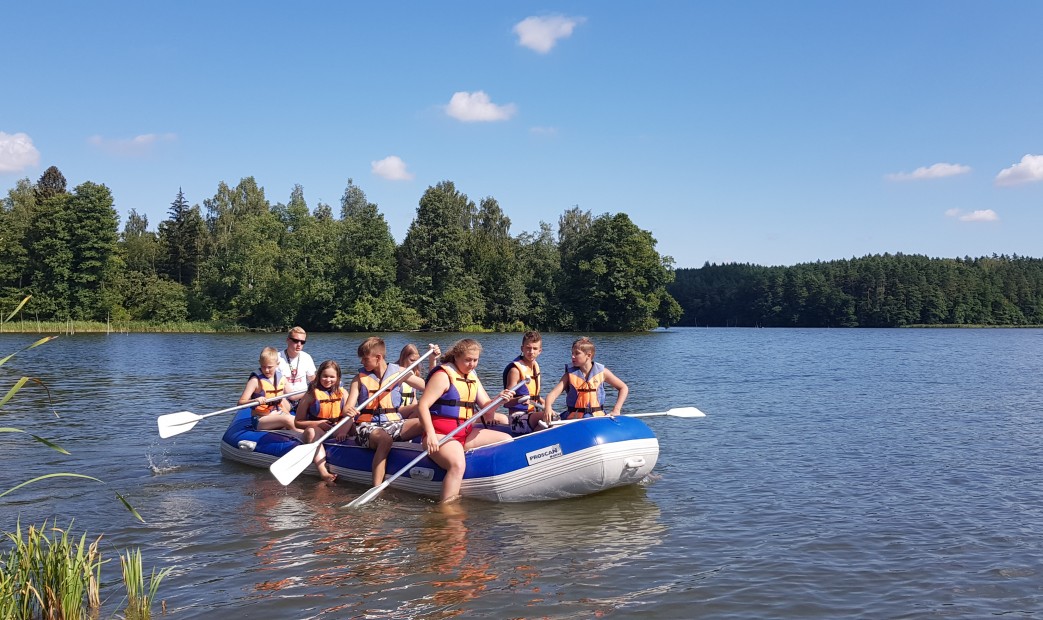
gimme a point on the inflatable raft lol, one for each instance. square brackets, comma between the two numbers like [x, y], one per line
[567, 460]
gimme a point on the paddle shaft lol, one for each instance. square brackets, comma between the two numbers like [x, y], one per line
[253, 403]
[370, 494]
[387, 386]
[291, 464]
[679, 412]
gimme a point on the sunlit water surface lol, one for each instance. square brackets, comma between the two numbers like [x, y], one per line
[838, 473]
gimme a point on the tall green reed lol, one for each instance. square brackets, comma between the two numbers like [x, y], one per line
[48, 574]
[140, 595]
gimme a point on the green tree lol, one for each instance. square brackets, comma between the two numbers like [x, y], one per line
[368, 297]
[539, 262]
[182, 237]
[93, 240]
[17, 214]
[493, 259]
[615, 280]
[142, 251]
[239, 275]
[49, 239]
[153, 298]
[306, 293]
[431, 268]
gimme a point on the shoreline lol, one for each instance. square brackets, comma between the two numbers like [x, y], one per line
[205, 327]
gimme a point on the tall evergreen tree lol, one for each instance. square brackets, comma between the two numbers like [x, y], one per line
[182, 237]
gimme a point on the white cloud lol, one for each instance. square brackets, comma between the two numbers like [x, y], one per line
[131, 147]
[543, 131]
[17, 152]
[982, 215]
[542, 33]
[934, 171]
[476, 107]
[1029, 170]
[391, 168]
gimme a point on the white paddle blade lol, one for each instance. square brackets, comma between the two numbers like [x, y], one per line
[368, 496]
[176, 423]
[680, 412]
[686, 412]
[291, 464]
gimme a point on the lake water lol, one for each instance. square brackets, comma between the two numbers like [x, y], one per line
[838, 474]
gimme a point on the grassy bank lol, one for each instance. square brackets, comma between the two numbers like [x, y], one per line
[118, 327]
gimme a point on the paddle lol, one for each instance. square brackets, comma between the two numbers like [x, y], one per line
[368, 496]
[679, 412]
[181, 422]
[291, 464]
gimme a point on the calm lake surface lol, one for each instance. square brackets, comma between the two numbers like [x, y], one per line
[838, 474]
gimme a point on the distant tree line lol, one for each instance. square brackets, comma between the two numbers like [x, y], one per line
[889, 290]
[241, 259]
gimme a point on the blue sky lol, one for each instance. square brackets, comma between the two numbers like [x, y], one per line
[763, 132]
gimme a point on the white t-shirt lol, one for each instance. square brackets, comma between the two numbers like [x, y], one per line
[298, 372]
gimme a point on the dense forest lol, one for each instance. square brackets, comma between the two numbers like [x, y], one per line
[241, 260]
[889, 290]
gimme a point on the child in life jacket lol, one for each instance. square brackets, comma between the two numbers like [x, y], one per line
[265, 383]
[584, 385]
[410, 395]
[525, 416]
[453, 395]
[383, 421]
[320, 409]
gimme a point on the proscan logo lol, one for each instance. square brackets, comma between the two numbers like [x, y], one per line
[543, 454]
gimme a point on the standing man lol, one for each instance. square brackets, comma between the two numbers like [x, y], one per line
[296, 365]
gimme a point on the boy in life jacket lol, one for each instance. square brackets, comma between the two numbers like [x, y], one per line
[383, 421]
[524, 415]
[265, 383]
[584, 385]
[320, 409]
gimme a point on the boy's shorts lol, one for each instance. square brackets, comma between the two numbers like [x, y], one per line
[364, 430]
[520, 422]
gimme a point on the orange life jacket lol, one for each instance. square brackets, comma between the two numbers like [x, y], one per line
[268, 388]
[585, 393]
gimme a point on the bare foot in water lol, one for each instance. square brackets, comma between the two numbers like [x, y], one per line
[453, 508]
[327, 477]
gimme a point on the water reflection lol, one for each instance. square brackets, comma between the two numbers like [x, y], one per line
[442, 547]
[407, 557]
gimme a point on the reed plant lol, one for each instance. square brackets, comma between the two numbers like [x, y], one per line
[49, 574]
[140, 595]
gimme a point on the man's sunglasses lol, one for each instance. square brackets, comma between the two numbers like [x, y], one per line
[297, 340]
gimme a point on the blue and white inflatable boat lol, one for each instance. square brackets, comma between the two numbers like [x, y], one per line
[567, 460]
